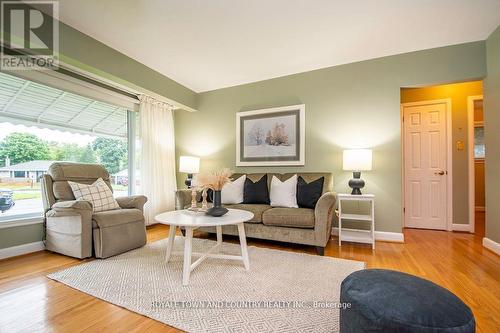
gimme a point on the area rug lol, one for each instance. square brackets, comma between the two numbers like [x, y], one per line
[282, 291]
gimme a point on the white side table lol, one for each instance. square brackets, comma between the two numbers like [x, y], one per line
[357, 235]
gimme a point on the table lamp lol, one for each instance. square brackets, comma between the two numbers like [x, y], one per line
[189, 165]
[357, 160]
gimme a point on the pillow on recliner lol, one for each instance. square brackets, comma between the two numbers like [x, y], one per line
[98, 194]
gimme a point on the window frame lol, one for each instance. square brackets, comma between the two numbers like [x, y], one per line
[477, 124]
[131, 136]
[58, 80]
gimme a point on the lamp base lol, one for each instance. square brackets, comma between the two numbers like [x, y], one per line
[189, 180]
[356, 183]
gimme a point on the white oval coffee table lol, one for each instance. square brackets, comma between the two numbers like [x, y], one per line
[190, 221]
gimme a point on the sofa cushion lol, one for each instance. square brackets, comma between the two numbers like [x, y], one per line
[116, 217]
[312, 176]
[308, 194]
[256, 192]
[284, 194]
[232, 192]
[289, 217]
[256, 177]
[256, 209]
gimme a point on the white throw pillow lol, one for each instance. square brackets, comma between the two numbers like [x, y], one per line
[232, 192]
[99, 194]
[284, 194]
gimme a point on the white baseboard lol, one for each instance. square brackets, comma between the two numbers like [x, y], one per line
[460, 227]
[491, 245]
[385, 236]
[21, 249]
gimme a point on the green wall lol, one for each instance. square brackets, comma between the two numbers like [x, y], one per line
[353, 105]
[84, 52]
[21, 235]
[492, 135]
[346, 106]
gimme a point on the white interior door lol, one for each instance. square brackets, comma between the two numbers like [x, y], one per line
[425, 169]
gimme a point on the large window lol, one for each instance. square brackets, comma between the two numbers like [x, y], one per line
[40, 125]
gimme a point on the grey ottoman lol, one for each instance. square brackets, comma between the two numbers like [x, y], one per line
[390, 301]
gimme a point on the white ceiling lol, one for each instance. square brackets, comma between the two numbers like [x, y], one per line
[210, 44]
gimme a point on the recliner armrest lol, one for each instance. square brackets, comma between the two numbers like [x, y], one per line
[72, 204]
[133, 201]
[69, 228]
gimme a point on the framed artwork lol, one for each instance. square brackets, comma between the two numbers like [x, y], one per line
[274, 136]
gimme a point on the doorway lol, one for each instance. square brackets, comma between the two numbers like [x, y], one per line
[477, 154]
[428, 191]
[427, 175]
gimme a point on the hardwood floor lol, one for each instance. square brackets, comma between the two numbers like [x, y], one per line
[30, 302]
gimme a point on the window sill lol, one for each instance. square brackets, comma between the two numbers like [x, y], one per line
[16, 221]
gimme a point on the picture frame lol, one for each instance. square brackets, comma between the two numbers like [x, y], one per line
[271, 137]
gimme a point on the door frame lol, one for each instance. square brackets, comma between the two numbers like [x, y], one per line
[449, 158]
[471, 159]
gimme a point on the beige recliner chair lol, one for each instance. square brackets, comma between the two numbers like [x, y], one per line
[72, 227]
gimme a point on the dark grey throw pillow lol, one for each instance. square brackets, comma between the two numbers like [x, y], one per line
[308, 194]
[256, 193]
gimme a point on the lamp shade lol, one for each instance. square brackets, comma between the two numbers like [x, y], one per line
[189, 164]
[357, 159]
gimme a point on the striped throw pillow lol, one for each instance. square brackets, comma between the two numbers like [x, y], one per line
[99, 194]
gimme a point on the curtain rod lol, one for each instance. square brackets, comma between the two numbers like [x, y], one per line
[100, 84]
[77, 73]
[109, 84]
[69, 72]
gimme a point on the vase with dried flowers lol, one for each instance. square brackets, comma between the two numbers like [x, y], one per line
[215, 181]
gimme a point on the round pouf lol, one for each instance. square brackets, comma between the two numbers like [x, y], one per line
[390, 301]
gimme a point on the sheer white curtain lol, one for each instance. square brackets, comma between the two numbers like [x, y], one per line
[157, 154]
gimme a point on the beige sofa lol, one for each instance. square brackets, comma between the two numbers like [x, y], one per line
[71, 226]
[292, 225]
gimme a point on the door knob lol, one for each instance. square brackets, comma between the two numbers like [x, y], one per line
[440, 173]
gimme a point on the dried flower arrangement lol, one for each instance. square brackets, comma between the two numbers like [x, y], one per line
[277, 136]
[214, 180]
